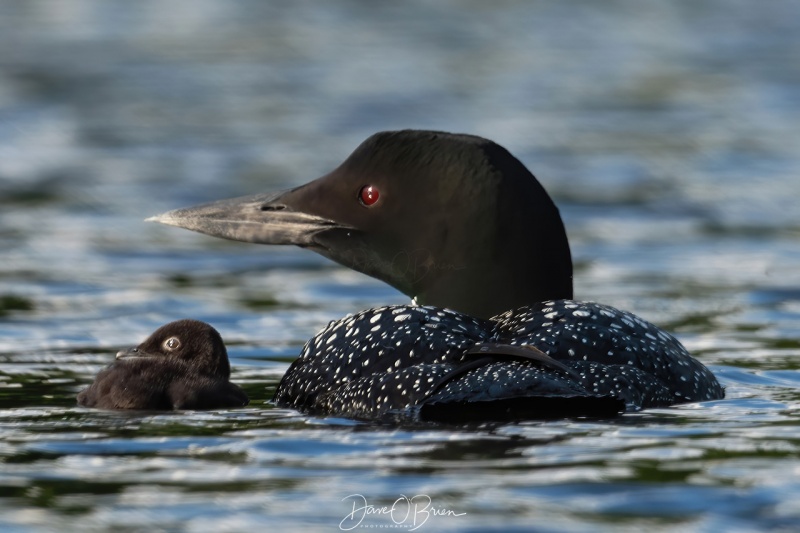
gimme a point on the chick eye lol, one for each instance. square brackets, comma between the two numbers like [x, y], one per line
[172, 344]
[368, 195]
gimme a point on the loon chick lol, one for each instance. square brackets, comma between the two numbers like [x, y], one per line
[460, 225]
[182, 365]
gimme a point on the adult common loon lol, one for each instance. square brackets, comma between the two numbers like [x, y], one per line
[460, 225]
[182, 365]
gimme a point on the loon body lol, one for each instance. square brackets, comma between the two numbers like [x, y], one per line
[460, 225]
[182, 365]
[552, 359]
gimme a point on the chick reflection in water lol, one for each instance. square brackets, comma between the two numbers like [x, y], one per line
[182, 365]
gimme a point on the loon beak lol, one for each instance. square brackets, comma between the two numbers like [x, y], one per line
[135, 353]
[259, 218]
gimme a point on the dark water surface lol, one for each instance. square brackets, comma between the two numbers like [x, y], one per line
[669, 134]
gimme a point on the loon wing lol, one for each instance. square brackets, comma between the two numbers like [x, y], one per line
[546, 389]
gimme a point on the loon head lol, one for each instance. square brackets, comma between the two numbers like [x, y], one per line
[194, 342]
[451, 220]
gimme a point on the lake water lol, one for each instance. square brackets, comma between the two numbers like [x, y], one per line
[668, 133]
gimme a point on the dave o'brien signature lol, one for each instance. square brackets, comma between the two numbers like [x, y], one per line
[410, 512]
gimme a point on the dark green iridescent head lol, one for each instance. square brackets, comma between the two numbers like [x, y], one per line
[452, 220]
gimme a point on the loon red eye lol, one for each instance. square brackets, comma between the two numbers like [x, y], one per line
[368, 195]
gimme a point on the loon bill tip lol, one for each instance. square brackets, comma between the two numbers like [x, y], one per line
[163, 218]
